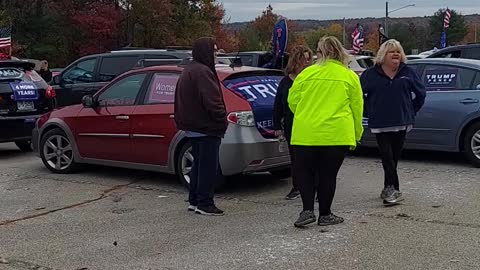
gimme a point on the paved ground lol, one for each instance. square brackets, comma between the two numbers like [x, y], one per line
[104, 218]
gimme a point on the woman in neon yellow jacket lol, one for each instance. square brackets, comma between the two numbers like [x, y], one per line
[327, 102]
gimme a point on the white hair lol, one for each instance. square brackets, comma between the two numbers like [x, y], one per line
[387, 46]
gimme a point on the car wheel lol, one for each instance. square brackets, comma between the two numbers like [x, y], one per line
[472, 144]
[24, 146]
[56, 152]
[184, 165]
[283, 173]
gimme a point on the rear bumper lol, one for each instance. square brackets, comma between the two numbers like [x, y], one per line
[17, 128]
[244, 150]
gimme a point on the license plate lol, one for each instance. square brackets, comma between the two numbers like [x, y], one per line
[25, 106]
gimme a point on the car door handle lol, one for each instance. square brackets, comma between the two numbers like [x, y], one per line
[469, 101]
[122, 117]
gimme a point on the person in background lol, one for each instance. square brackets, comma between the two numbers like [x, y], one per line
[327, 104]
[44, 71]
[300, 58]
[394, 94]
[200, 112]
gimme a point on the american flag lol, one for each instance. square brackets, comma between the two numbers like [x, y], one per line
[446, 20]
[5, 37]
[358, 39]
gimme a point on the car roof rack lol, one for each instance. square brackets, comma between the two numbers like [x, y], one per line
[143, 63]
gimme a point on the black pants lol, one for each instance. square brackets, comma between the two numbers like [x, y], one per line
[390, 145]
[322, 162]
[291, 150]
[205, 168]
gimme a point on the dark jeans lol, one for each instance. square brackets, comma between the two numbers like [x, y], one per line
[205, 168]
[390, 145]
[322, 162]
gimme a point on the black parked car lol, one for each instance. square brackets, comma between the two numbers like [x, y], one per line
[469, 51]
[90, 73]
[24, 97]
[257, 59]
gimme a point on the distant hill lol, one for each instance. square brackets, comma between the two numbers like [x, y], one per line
[305, 25]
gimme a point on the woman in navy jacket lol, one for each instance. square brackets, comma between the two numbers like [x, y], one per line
[394, 94]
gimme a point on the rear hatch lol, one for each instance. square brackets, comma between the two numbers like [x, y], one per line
[259, 88]
[23, 92]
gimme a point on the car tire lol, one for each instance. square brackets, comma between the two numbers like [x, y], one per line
[183, 166]
[471, 144]
[283, 173]
[24, 146]
[56, 152]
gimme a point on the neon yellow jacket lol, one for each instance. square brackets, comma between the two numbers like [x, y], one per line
[327, 102]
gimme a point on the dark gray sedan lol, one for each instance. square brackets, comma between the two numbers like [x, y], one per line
[450, 119]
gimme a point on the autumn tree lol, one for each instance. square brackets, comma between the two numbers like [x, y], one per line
[455, 33]
[313, 36]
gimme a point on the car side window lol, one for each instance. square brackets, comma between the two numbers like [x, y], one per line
[81, 72]
[162, 89]
[452, 54]
[113, 66]
[447, 78]
[122, 93]
[472, 53]
[476, 83]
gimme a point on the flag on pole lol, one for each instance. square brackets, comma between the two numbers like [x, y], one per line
[446, 20]
[358, 39]
[443, 40]
[5, 37]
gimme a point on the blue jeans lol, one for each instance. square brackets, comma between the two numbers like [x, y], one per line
[205, 169]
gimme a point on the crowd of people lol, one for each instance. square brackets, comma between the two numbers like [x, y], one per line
[319, 110]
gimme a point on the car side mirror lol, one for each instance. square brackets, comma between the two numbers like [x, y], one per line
[88, 101]
[478, 87]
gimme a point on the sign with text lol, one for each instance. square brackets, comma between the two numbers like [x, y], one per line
[162, 89]
[441, 78]
[260, 92]
[24, 91]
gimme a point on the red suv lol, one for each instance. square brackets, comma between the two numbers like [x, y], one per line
[130, 123]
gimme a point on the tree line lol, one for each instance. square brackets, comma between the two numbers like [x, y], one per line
[63, 30]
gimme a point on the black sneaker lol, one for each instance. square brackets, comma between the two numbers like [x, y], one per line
[306, 217]
[329, 220]
[192, 208]
[393, 198]
[209, 211]
[294, 194]
[386, 192]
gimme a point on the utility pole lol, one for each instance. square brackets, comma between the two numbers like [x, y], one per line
[386, 17]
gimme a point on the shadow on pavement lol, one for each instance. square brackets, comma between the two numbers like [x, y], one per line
[435, 157]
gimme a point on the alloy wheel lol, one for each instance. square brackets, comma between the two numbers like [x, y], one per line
[58, 152]
[187, 163]
[475, 144]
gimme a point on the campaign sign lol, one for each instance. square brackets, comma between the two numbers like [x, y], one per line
[10, 73]
[162, 90]
[441, 78]
[260, 92]
[24, 91]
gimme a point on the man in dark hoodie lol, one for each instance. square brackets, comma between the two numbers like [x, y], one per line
[200, 112]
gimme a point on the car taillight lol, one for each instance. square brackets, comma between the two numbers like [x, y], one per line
[242, 118]
[50, 93]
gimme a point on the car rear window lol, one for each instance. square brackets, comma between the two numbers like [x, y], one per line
[259, 89]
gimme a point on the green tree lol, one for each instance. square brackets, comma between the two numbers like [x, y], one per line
[455, 33]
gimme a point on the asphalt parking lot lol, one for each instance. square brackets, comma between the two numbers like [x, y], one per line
[108, 218]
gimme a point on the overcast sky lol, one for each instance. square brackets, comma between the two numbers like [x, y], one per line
[246, 10]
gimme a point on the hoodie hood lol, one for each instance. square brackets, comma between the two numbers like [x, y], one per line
[204, 52]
